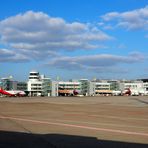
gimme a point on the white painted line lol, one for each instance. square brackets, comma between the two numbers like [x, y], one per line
[106, 116]
[77, 126]
[98, 123]
[116, 117]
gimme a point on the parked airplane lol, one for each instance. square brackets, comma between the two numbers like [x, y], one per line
[12, 93]
[127, 92]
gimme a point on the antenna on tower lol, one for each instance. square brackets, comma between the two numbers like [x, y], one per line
[57, 78]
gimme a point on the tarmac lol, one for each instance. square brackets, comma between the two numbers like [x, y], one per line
[74, 122]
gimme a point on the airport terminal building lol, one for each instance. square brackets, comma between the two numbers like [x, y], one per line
[40, 85]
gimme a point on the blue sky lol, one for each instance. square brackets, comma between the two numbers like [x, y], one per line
[74, 38]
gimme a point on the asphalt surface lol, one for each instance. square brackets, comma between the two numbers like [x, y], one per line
[74, 122]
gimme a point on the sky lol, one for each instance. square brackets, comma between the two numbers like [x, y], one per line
[74, 39]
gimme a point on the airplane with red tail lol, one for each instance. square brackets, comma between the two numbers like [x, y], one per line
[12, 93]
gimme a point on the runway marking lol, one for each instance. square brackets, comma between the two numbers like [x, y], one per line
[115, 117]
[76, 126]
[105, 116]
[108, 124]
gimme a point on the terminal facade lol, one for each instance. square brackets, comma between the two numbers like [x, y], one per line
[40, 85]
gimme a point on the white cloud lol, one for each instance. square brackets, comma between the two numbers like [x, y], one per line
[6, 52]
[99, 63]
[135, 19]
[110, 16]
[7, 55]
[38, 31]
